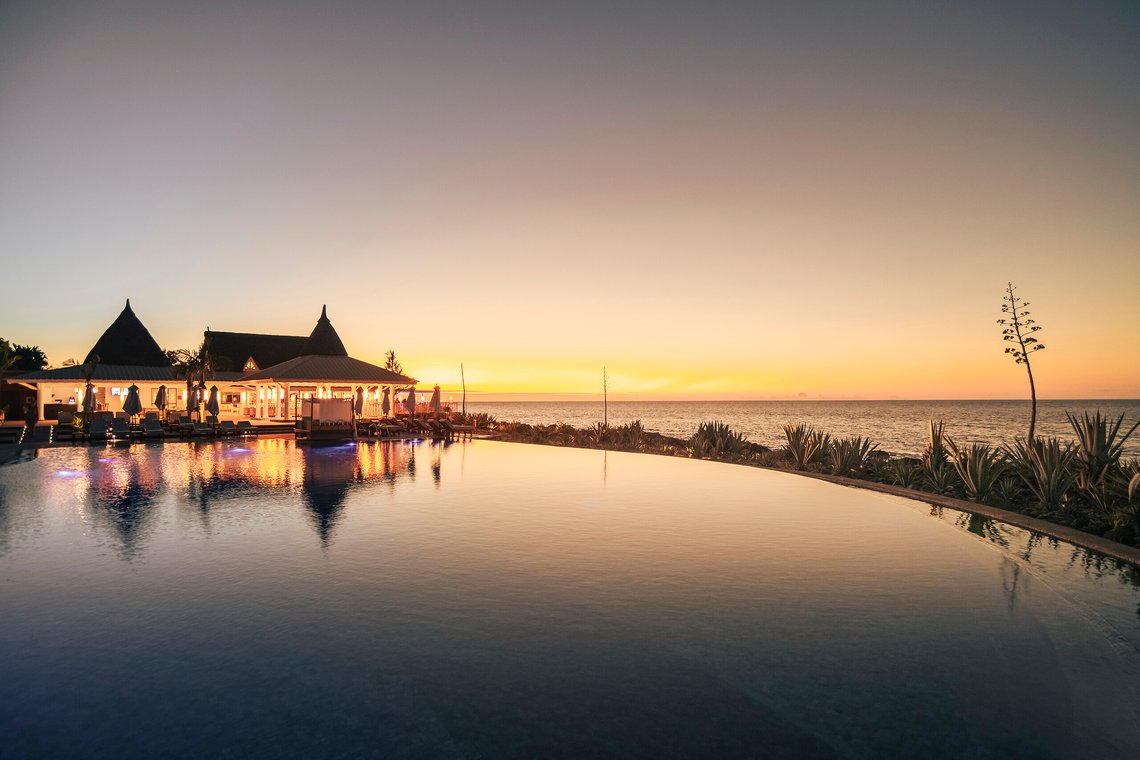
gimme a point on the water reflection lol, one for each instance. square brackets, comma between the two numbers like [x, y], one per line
[1029, 552]
[120, 495]
[119, 490]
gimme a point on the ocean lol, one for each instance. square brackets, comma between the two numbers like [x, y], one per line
[899, 427]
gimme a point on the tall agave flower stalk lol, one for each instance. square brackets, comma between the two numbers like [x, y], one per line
[805, 444]
[1099, 446]
[980, 468]
[1046, 466]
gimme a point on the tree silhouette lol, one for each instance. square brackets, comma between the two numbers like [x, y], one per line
[1018, 329]
[391, 363]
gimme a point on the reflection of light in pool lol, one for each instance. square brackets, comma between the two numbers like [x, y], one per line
[68, 473]
[106, 459]
[238, 451]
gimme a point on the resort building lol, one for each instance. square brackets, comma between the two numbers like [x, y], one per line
[322, 370]
[258, 376]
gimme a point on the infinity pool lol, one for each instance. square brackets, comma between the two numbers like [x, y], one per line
[500, 600]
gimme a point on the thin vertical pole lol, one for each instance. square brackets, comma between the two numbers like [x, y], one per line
[463, 379]
[605, 399]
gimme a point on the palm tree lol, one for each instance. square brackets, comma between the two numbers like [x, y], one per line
[193, 366]
[8, 359]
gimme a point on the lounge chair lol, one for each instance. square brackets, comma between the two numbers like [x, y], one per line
[185, 426]
[458, 431]
[153, 429]
[227, 427]
[120, 428]
[390, 428]
[66, 427]
[202, 430]
[245, 428]
[98, 430]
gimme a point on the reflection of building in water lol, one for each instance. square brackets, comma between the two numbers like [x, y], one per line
[329, 473]
[121, 490]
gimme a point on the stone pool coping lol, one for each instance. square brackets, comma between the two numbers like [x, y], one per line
[1088, 541]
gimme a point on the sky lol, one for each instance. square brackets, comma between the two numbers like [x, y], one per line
[709, 200]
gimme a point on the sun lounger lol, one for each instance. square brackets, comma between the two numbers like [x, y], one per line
[391, 428]
[120, 429]
[185, 426]
[227, 427]
[458, 431]
[202, 430]
[245, 428]
[152, 429]
[98, 430]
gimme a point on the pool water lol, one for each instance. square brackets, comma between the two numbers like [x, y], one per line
[485, 599]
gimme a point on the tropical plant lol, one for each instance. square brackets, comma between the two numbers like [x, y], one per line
[849, 455]
[1018, 328]
[943, 479]
[479, 420]
[934, 455]
[717, 440]
[904, 472]
[1098, 450]
[1045, 465]
[391, 363]
[1009, 490]
[29, 358]
[8, 360]
[979, 467]
[193, 366]
[630, 436]
[806, 445]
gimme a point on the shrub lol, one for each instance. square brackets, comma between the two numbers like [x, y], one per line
[848, 456]
[979, 467]
[904, 472]
[1098, 451]
[1046, 468]
[716, 440]
[806, 445]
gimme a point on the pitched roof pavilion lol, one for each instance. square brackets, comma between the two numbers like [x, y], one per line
[326, 361]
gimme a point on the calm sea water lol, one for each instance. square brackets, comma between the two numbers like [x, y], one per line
[897, 426]
[485, 599]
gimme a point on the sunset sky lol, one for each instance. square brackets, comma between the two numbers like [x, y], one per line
[722, 200]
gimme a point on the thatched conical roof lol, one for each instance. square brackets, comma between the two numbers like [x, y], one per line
[324, 341]
[128, 342]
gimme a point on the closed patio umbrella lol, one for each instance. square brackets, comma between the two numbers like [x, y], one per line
[435, 405]
[358, 407]
[411, 402]
[160, 398]
[386, 406]
[89, 400]
[132, 405]
[212, 405]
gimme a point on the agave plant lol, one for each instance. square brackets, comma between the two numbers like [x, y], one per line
[717, 440]
[1099, 446]
[1008, 490]
[805, 444]
[849, 455]
[904, 472]
[979, 467]
[942, 479]
[630, 436]
[1046, 466]
[934, 456]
